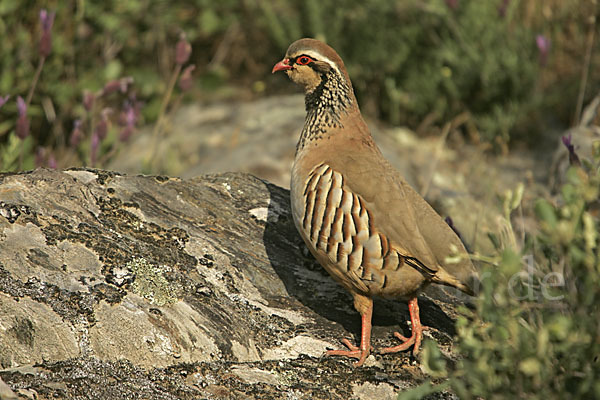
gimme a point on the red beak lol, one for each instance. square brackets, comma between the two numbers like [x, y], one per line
[282, 65]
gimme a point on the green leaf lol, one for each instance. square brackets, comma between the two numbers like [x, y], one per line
[7, 7]
[113, 70]
[495, 241]
[546, 212]
[530, 366]
[517, 196]
[596, 150]
[432, 359]
[511, 261]
[559, 327]
[9, 153]
[209, 21]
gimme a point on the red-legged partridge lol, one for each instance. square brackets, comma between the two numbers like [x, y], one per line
[368, 228]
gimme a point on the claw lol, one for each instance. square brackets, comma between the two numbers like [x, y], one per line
[362, 352]
[353, 352]
[349, 345]
[417, 332]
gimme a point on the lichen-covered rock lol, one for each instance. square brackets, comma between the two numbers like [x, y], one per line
[116, 286]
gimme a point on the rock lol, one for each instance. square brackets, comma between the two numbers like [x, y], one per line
[117, 286]
[258, 137]
[6, 392]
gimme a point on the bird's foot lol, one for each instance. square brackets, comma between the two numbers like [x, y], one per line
[353, 351]
[417, 332]
[415, 339]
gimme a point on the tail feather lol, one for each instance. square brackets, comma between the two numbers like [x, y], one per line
[444, 278]
[439, 275]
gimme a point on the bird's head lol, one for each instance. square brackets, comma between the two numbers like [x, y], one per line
[308, 61]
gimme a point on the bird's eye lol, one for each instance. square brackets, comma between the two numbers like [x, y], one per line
[303, 60]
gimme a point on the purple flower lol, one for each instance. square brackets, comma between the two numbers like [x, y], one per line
[46, 20]
[21, 106]
[76, 134]
[137, 105]
[129, 115]
[52, 162]
[117, 84]
[40, 156]
[183, 50]
[186, 81]
[94, 145]
[3, 100]
[543, 45]
[22, 127]
[128, 118]
[44, 158]
[573, 158]
[111, 87]
[452, 4]
[88, 100]
[101, 128]
[126, 133]
[503, 7]
[125, 83]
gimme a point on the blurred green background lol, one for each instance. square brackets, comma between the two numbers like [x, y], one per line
[511, 68]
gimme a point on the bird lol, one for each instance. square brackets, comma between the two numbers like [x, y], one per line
[369, 229]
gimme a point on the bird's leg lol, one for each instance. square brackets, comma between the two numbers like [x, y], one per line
[364, 305]
[417, 331]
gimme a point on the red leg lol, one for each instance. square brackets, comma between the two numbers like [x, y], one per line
[417, 331]
[361, 352]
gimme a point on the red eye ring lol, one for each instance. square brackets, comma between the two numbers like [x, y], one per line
[303, 60]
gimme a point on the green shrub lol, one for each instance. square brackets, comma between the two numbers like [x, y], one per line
[534, 332]
[412, 60]
[94, 43]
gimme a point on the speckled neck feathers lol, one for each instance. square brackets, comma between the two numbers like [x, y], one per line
[325, 107]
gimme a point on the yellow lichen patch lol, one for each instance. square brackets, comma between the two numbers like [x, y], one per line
[150, 282]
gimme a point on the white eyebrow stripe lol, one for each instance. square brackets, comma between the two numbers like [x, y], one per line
[320, 57]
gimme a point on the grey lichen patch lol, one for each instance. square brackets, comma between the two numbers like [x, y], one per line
[69, 305]
[120, 235]
[150, 282]
[23, 331]
[12, 212]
